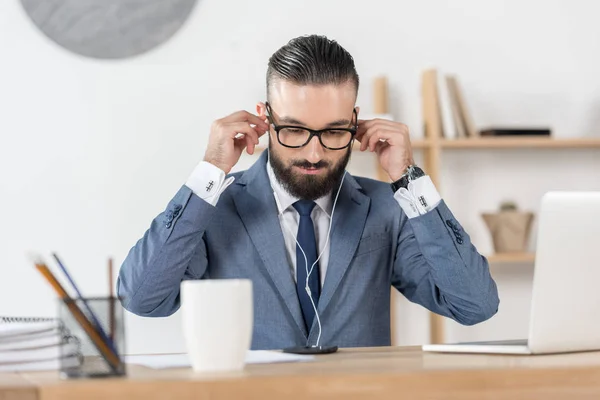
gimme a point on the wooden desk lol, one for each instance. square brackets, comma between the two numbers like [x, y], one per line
[376, 373]
[15, 387]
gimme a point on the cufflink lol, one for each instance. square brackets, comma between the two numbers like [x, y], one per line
[210, 186]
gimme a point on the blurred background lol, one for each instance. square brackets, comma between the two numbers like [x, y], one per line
[93, 147]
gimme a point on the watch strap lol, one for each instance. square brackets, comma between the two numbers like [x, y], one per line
[413, 172]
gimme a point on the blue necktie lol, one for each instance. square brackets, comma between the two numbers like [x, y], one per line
[306, 239]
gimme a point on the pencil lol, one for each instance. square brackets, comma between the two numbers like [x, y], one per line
[108, 355]
[91, 313]
[111, 299]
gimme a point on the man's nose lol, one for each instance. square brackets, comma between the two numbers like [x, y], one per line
[315, 150]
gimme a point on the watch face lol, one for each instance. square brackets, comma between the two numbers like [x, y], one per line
[108, 29]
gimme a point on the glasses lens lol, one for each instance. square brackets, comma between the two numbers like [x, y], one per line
[293, 136]
[336, 138]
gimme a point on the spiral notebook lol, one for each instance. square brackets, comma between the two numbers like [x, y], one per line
[36, 344]
[25, 319]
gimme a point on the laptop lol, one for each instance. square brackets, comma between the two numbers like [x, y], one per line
[565, 306]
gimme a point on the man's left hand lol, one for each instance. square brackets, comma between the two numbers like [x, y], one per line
[391, 141]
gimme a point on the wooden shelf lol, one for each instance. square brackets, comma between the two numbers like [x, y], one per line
[511, 258]
[420, 144]
[521, 142]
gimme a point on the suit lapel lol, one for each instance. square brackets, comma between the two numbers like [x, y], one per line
[256, 206]
[349, 219]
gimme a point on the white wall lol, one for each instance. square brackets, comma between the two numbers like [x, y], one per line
[90, 150]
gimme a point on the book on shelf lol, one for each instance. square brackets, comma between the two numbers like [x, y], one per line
[445, 110]
[36, 344]
[465, 118]
[449, 112]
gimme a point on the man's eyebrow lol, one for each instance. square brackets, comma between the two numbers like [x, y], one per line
[290, 120]
[294, 121]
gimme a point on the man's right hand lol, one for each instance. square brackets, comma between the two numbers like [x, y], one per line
[229, 137]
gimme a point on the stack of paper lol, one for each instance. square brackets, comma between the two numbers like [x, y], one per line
[36, 346]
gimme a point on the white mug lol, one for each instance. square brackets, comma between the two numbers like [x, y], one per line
[217, 318]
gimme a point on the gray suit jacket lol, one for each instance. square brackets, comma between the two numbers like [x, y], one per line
[374, 246]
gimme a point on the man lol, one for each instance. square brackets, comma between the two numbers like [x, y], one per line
[322, 248]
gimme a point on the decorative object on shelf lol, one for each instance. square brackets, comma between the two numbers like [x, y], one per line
[516, 132]
[510, 228]
[109, 29]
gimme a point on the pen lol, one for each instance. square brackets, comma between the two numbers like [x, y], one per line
[108, 355]
[111, 299]
[86, 305]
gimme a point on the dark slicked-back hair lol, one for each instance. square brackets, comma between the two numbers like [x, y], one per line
[312, 60]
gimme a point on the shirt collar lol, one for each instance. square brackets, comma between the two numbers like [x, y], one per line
[286, 200]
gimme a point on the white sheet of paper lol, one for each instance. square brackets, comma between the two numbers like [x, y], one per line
[164, 361]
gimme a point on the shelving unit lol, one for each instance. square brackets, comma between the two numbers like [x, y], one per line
[511, 258]
[432, 152]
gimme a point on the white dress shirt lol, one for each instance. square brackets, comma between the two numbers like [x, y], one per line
[208, 182]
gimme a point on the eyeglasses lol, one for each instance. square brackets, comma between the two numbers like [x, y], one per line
[299, 136]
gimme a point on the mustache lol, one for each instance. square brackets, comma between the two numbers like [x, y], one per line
[306, 164]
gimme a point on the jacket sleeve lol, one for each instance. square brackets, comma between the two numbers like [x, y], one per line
[437, 266]
[150, 277]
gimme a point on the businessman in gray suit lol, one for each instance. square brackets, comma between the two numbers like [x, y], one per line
[321, 247]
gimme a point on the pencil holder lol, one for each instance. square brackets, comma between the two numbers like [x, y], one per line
[95, 329]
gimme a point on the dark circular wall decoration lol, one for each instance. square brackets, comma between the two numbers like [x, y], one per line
[109, 29]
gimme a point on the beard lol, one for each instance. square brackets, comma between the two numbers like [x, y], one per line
[304, 186]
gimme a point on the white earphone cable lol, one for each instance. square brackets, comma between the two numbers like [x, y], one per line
[309, 272]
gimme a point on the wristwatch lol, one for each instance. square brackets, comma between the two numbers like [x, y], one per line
[413, 172]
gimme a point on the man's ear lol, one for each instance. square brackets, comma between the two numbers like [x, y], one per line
[261, 110]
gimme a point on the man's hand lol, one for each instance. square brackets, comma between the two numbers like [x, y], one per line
[229, 137]
[390, 140]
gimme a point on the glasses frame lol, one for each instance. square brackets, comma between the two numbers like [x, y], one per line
[313, 132]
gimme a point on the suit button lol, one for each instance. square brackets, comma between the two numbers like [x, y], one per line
[168, 224]
[459, 240]
[449, 223]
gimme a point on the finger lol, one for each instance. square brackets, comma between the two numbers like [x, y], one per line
[250, 145]
[379, 136]
[248, 117]
[366, 138]
[235, 128]
[380, 146]
[391, 137]
[360, 133]
[365, 126]
[240, 143]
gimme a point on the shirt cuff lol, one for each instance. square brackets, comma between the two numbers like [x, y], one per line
[208, 182]
[420, 197]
